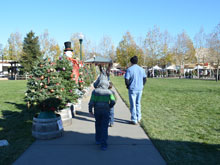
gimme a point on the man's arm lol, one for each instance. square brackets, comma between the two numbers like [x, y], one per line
[144, 80]
[127, 78]
[127, 83]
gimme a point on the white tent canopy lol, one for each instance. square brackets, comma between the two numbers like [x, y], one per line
[156, 67]
[198, 67]
[171, 67]
[115, 69]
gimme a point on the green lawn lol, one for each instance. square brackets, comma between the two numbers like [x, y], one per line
[15, 120]
[182, 118]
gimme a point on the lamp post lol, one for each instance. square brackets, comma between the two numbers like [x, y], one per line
[80, 42]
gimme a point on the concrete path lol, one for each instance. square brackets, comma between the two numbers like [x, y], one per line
[128, 144]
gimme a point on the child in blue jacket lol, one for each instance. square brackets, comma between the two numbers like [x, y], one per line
[102, 99]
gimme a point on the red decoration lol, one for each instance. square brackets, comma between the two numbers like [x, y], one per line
[53, 109]
[75, 71]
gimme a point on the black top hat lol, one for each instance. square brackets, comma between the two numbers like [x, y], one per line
[67, 46]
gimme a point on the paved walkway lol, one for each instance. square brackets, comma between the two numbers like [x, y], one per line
[128, 144]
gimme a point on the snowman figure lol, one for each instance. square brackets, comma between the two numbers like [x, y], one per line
[68, 51]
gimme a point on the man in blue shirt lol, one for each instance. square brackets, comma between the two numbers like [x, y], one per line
[135, 78]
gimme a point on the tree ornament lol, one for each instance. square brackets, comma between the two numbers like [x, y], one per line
[28, 104]
[45, 86]
[51, 69]
[42, 77]
[48, 71]
[41, 65]
[35, 103]
[51, 90]
[64, 68]
[57, 83]
[41, 84]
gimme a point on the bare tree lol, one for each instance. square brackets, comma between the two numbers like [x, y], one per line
[153, 45]
[185, 51]
[165, 48]
[106, 48]
[49, 47]
[199, 43]
[14, 47]
[214, 47]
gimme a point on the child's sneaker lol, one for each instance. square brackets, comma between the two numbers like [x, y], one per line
[103, 147]
[111, 124]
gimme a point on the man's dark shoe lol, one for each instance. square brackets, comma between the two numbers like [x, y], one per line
[134, 123]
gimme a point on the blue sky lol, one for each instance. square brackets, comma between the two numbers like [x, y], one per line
[96, 18]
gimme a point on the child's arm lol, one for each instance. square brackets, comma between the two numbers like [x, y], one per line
[91, 103]
[112, 100]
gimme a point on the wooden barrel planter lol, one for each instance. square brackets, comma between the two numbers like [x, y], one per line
[47, 128]
[66, 116]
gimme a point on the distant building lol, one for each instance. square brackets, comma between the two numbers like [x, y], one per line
[9, 68]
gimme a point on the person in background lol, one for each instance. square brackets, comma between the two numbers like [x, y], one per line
[111, 115]
[135, 79]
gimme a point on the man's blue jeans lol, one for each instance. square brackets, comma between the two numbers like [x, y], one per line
[101, 125]
[135, 105]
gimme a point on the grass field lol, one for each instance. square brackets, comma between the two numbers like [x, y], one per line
[15, 120]
[182, 118]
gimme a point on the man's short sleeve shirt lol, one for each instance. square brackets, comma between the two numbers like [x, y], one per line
[135, 75]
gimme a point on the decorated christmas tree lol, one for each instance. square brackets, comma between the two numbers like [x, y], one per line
[64, 68]
[81, 81]
[88, 75]
[45, 90]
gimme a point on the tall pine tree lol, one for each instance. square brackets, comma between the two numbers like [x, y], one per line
[31, 51]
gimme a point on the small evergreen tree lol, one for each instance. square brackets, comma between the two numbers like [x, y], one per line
[44, 87]
[31, 51]
[64, 68]
[81, 81]
[88, 75]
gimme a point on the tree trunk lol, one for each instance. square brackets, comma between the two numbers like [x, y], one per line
[217, 71]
